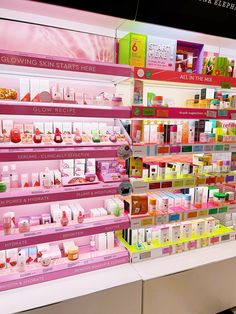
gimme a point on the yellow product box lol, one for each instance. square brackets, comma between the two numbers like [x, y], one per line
[132, 50]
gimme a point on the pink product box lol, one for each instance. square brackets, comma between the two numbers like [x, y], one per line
[35, 220]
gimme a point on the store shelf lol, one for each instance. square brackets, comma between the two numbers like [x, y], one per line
[20, 63]
[63, 110]
[55, 232]
[179, 214]
[148, 185]
[182, 77]
[63, 268]
[146, 150]
[58, 153]
[156, 249]
[140, 112]
[34, 195]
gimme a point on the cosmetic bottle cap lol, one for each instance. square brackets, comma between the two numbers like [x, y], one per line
[152, 201]
[162, 164]
[160, 127]
[173, 128]
[5, 168]
[37, 131]
[219, 195]
[157, 98]
[219, 162]
[227, 162]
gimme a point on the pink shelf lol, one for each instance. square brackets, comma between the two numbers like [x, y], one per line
[58, 153]
[31, 60]
[34, 195]
[63, 268]
[182, 113]
[182, 77]
[67, 110]
[55, 232]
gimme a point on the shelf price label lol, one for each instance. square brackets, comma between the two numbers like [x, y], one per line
[146, 221]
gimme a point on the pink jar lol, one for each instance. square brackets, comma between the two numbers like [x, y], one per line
[116, 101]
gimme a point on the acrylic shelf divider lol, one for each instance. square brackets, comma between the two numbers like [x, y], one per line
[64, 268]
[147, 150]
[141, 112]
[34, 195]
[150, 74]
[63, 110]
[55, 232]
[178, 214]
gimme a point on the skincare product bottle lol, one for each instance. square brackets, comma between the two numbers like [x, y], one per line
[7, 222]
[191, 132]
[187, 201]
[77, 137]
[198, 197]
[21, 261]
[160, 134]
[152, 206]
[57, 136]
[14, 177]
[37, 136]
[80, 217]
[173, 134]
[47, 178]
[64, 219]
[162, 170]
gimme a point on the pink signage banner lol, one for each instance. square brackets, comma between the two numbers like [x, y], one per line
[60, 63]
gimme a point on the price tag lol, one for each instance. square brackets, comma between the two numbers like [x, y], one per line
[219, 147]
[223, 209]
[226, 147]
[211, 114]
[222, 113]
[145, 255]
[178, 183]
[148, 112]
[203, 212]
[189, 182]
[213, 211]
[233, 116]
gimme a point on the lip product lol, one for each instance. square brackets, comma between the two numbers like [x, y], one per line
[173, 134]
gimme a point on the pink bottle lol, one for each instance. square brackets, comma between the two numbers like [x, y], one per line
[80, 217]
[13, 177]
[77, 137]
[173, 134]
[57, 136]
[64, 219]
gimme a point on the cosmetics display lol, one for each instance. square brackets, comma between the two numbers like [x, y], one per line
[87, 182]
[53, 133]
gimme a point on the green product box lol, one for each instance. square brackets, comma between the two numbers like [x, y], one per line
[187, 149]
[132, 50]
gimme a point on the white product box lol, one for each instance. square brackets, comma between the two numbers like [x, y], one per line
[54, 252]
[43, 247]
[56, 212]
[34, 89]
[11, 256]
[91, 169]
[57, 92]
[35, 179]
[210, 224]
[101, 242]
[186, 229]
[57, 125]
[3, 259]
[32, 252]
[175, 233]
[49, 175]
[102, 127]
[80, 161]
[29, 128]
[67, 163]
[80, 168]
[66, 245]
[94, 212]
[7, 125]
[141, 235]
[44, 86]
[200, 227]
[164, 234]
[48, 129]
[153, 133]
[146, 133]
[20, 126]
[67, 172]
[24, 89]
[24, 180]
[134, 236]
[69, 93]
[91, 162]
[67, 127]
[110, 240]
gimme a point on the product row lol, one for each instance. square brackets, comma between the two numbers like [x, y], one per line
[57, 214]
[68, 172]
[59, 132]
[160, 170]
[182, 132]
[20, 260]
[40, 90]
[170, 233]
[163, 203]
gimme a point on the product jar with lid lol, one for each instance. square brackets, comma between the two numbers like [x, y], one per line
[219, 198]
[116, 101]
[73, 253]
[215, 104]
[157, 101]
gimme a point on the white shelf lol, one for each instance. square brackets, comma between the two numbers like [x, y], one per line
[23, 299]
